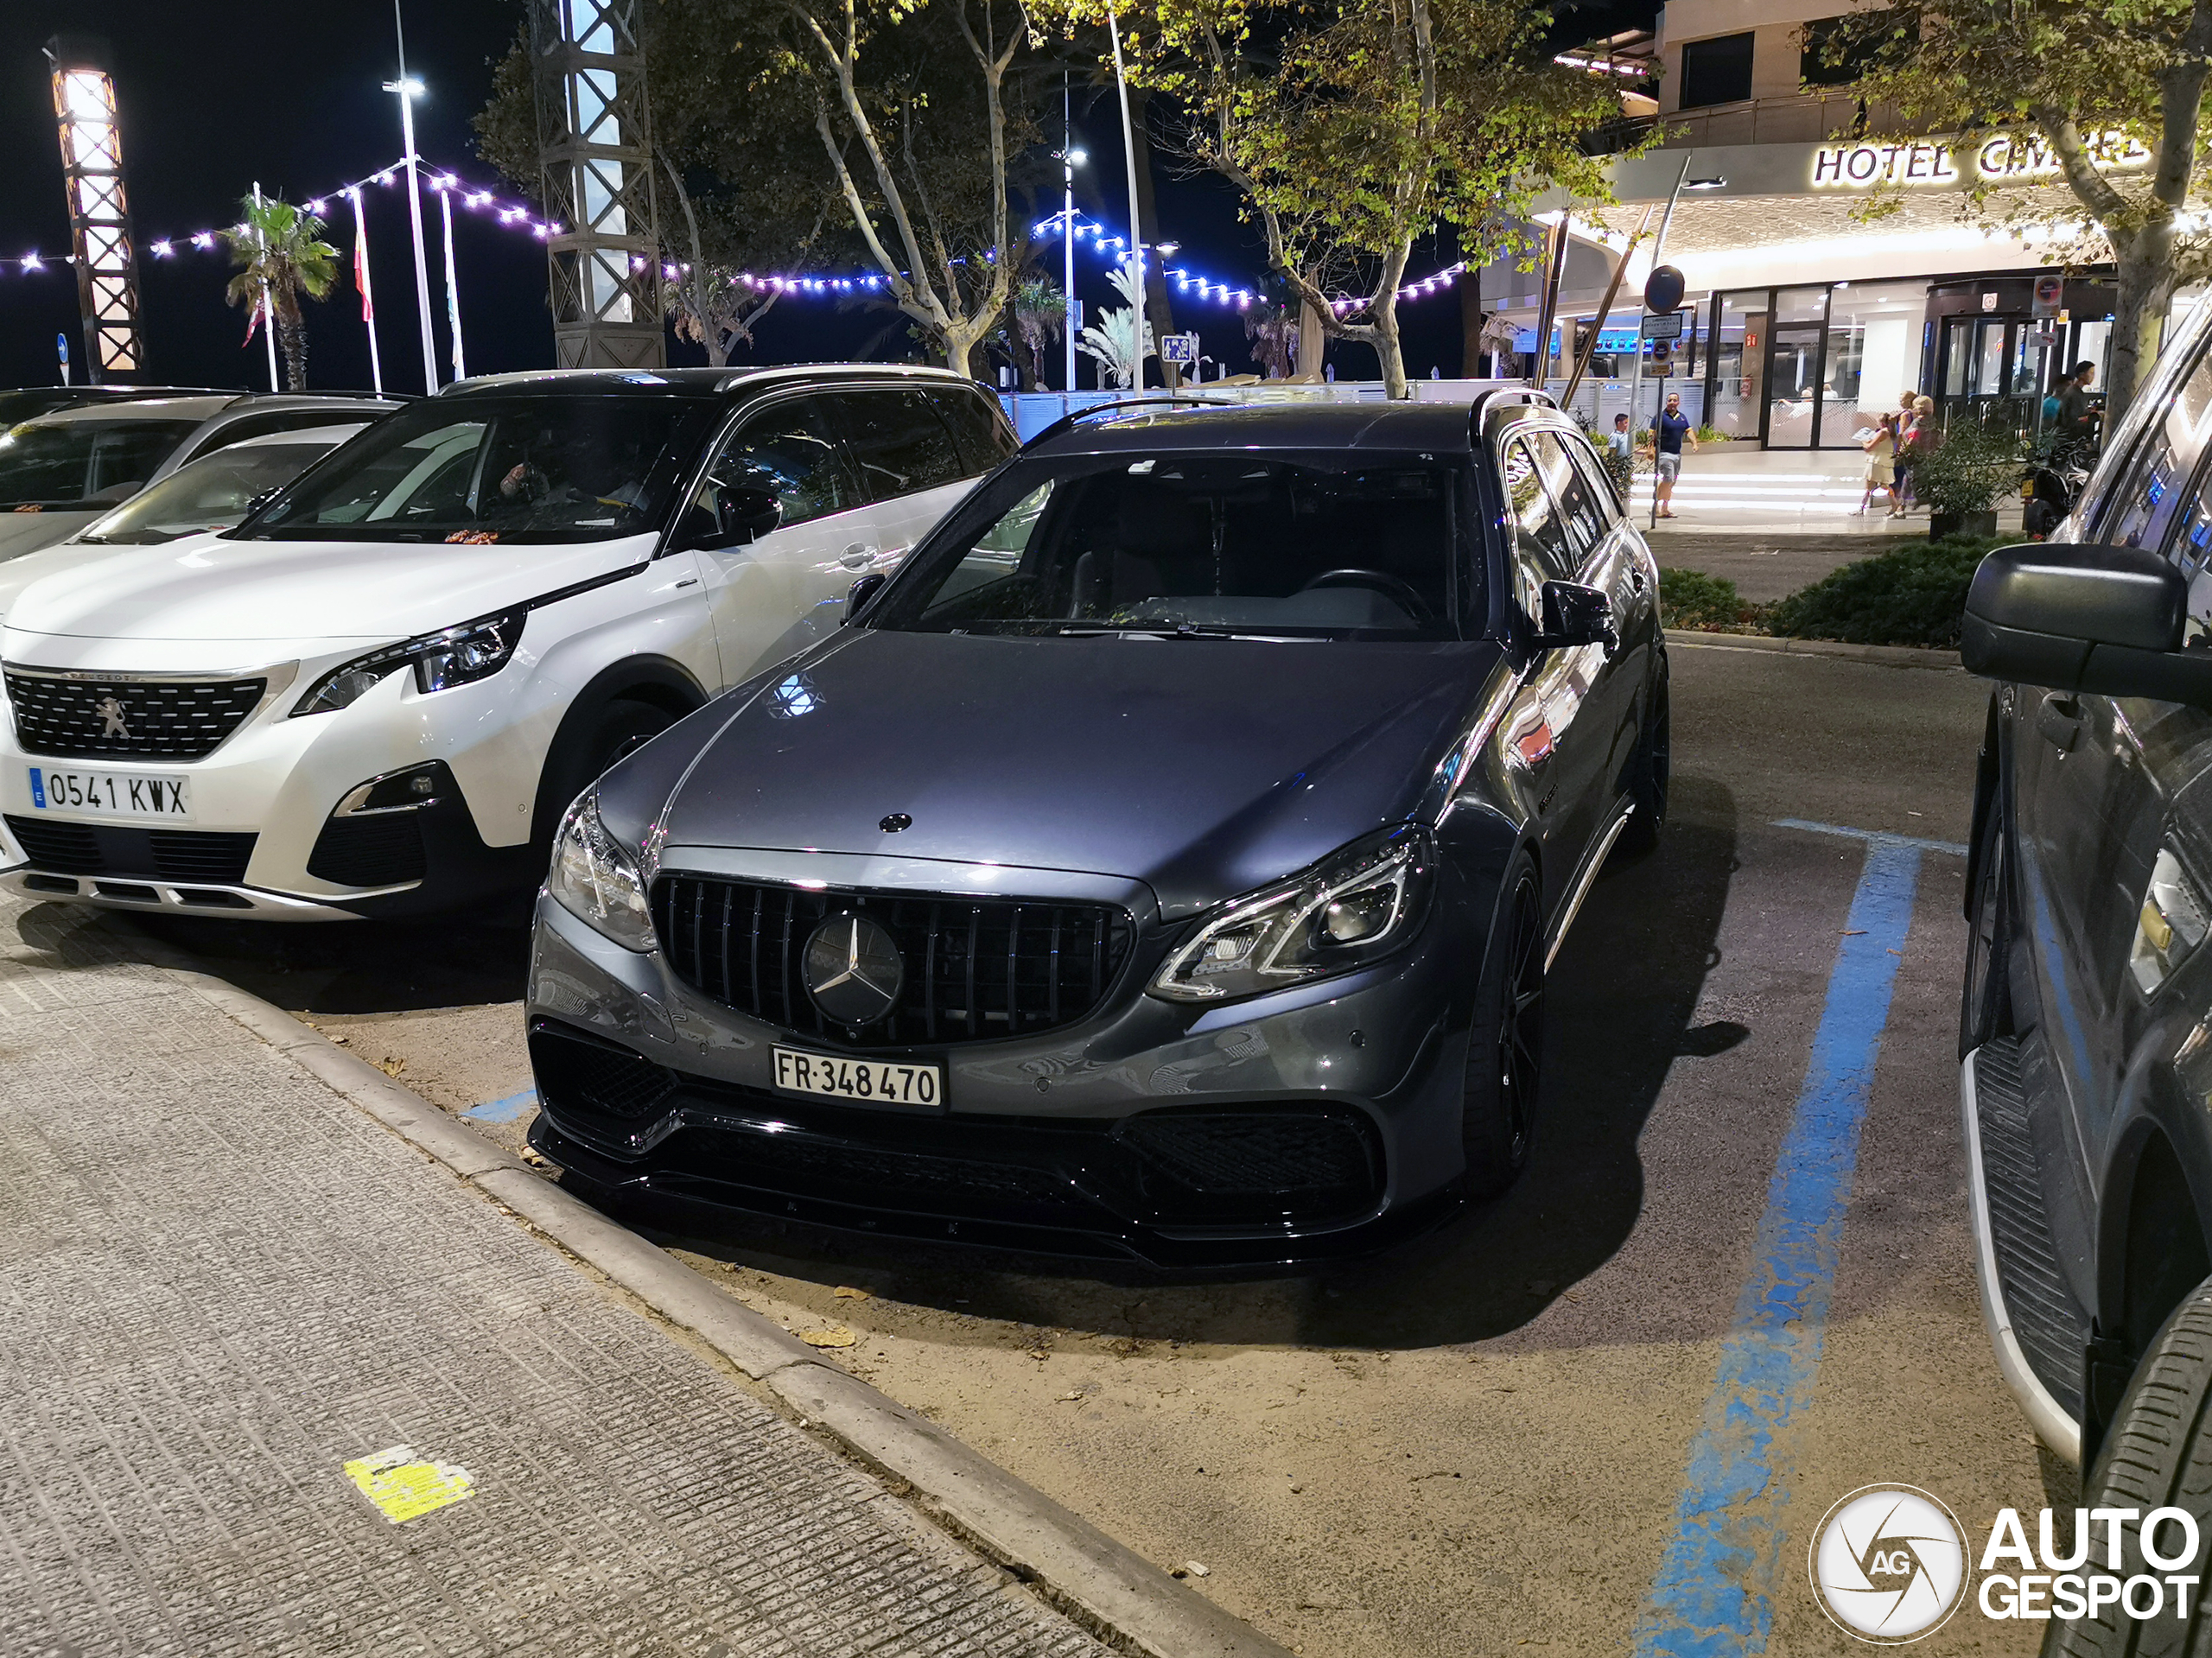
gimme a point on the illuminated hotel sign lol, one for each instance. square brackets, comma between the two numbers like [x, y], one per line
[1862, 167]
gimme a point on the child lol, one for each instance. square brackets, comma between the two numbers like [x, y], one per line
[1619, 441]
[1881, 462]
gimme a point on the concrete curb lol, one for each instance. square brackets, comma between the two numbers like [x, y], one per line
[1891, 656]
[1110, 1590]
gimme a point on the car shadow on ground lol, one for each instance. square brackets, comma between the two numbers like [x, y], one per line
[340, 968]
[1621, 999]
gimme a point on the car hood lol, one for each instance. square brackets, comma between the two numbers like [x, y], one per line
[208, 587]
[1202, 768]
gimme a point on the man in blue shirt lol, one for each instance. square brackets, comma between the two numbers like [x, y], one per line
[1667, 432]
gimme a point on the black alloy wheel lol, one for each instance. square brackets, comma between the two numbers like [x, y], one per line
[1505, 1045]
[619, 730]
[1985, 999]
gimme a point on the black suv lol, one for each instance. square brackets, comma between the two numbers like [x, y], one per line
[2086, 1025]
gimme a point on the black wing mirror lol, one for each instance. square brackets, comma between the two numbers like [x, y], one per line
[860, 592]
[2108, 620]
[1576, 615]
[741, 517]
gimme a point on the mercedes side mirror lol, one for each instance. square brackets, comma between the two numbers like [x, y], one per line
[743, 516]
[2108, 620]
[860, 592]
[1576, 615]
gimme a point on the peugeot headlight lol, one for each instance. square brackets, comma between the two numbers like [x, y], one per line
[2171, 925]
[1359, 903]
[597, 882]
[454, 656]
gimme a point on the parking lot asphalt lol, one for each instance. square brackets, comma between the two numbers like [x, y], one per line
[1526, 1430]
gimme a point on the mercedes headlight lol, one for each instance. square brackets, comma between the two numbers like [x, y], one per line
[595, 879]
[454, 656]
[2171, 925]
[1354, 905]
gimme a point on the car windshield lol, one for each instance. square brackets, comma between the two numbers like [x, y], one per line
[1294, 546]
[546, 468]
[211, 493]
[81, 463]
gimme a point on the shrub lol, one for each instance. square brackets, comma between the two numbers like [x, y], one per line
[1914, 595]
[1975, 465]
[1705, 603]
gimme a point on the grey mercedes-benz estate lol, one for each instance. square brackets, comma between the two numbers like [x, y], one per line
[1165, 862]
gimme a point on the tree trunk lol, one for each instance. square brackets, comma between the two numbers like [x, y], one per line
[1312, 341]
[292, 341]
[1389, 346]
[1472, 320]
[1156, 308]
[2144, 292]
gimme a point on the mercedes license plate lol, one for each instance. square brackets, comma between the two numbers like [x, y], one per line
[873, 1080]
[110, 794]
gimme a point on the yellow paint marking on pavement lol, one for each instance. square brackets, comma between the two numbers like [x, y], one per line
[404, 1487]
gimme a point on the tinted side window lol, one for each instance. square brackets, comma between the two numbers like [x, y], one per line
[976, 425]
[1539, 536]
[2145, 505]
[789, 450]
[279, 419]
[1604, 500]
[899, 442]
[1578, 514]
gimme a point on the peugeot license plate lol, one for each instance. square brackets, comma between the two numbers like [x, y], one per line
[108, 794]
[872, 1081]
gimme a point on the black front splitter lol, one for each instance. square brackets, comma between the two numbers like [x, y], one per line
[704, 1201]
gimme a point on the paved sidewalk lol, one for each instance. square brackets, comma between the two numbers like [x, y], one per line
[220, 1283]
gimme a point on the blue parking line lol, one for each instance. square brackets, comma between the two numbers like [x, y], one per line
[506, 1111]
[1712, 1593]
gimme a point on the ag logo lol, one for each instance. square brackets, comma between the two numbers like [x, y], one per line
[1889, 1563]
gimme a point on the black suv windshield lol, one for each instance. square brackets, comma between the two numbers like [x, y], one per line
[1245, 544]
[84, 462]
[548, 468]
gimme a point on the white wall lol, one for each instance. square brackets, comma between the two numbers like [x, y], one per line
[1891, 362]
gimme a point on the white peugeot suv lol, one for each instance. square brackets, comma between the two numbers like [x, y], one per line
[376, 695]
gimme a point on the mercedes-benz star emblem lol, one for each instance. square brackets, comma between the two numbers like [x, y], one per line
[111, 713]
[854, 970]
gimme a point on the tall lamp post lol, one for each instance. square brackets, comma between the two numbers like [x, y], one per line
[1129, 151]
[1071, 158]
[409, 89]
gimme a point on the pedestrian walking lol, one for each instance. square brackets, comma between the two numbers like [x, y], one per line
[1621, 440]
[2077, 417]
[1669, 430]
[1881, 462]
[1915, 445]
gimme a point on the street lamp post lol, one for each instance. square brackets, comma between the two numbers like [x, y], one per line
[1129, 151]
[1071, 158]
[409, 89]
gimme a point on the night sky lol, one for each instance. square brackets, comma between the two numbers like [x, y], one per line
[214, 97]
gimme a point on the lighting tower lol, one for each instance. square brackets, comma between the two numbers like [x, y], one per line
[99, 216]
[594, 147]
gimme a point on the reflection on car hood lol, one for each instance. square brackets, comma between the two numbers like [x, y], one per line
[207, 587]
[1201, 767]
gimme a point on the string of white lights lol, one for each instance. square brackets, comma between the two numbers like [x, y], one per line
[512, 213]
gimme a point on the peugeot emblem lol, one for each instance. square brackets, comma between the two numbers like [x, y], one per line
[853, 970]
[111, 713]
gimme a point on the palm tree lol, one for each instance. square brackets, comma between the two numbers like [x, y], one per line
[281, 254]
[1121, 340]
[1040, 316]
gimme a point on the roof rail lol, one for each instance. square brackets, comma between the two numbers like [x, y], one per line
[1067, 422]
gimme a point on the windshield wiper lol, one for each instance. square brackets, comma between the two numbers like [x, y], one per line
[1163, 631]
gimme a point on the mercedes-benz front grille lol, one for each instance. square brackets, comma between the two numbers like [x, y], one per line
[974, 969]
[165, 719]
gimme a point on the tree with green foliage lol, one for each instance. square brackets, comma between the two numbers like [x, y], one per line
[2073, 87]
[1038, 314]
[281, 255]
[1122, 339]
[1354, 128]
